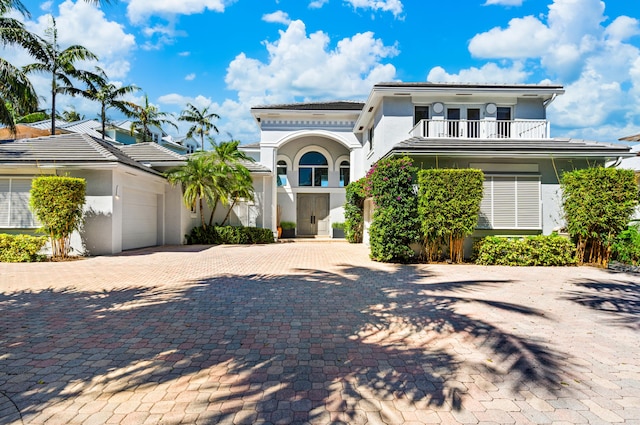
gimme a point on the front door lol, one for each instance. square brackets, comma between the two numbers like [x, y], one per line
[313, 214]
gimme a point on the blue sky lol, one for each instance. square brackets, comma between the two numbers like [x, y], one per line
[234, 54]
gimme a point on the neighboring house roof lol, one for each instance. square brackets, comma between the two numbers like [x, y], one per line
[634, 138]
[474, 86]
[23, 131]
[560, 147]
[66, 149]
[46, 124]
[340, 105]
[153, 154]
[85, 126]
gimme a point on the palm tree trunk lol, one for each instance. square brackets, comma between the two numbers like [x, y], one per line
[233, 204]
[204, 226]
[213, 211]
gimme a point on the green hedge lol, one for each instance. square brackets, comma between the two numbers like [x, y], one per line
[396, 223]
[448, 204]
[626, 247]
[551, 250]
[598, 204]
[220, 235]
[21, 248]
[354, 211]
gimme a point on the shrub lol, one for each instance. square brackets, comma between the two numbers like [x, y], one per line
[626, 247]
[395, 224]
[219, 235]
[337, 225]
[449, 204]
[57, 203]
[21, 248]
[354, 211]
[552, 250]
[598, 203]
[288, 225]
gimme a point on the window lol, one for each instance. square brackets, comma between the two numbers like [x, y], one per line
[14, 204]
[313, 170]
[344, 173]
[281, 173]
[473, 122]
[504, 121]
[420, 113]
[510, 202]
[453, 118]
[370, 134]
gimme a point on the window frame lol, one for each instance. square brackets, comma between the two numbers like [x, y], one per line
[314, 169]
[33, 222]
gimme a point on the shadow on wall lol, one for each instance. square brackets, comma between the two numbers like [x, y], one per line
[295, 347]
[96, 233]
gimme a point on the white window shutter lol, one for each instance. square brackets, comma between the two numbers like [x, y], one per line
[485, 219]
[504, 206]
[528, 202]
[5, 198]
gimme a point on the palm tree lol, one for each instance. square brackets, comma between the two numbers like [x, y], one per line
[109, 96]
[196, 179]
[201, 120]
[226, 160]
[148, 116]
[60, 64]
[17, 95]
[241, 187]
[71, 115]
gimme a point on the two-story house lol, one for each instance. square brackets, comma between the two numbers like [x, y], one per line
[315, 149]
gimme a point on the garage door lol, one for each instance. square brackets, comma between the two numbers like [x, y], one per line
[140, 216]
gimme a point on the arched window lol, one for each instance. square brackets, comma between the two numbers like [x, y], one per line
[282, 173]
[344, 173]
[313, 170]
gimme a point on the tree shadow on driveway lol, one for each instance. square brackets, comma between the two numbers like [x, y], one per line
[618, 298]
[313, 346]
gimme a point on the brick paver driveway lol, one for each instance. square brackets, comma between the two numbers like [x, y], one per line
[316, 333]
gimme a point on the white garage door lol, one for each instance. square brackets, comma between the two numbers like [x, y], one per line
[140, 215]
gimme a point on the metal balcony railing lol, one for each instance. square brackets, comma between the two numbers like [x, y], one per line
[482, 129]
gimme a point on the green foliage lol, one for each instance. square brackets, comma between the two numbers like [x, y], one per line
[20, 248]
[626, 247]
[57, 203]
[354, 211]
[219, 235]
[338, 225]
[551, 250]
[449, 204]
[288, 225]
[395, 224]
[598, 203]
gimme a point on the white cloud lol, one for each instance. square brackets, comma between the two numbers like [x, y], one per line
[184, 54]
[304, 67]
[278, 17]
[393, 6]
[503, 3]
[317, 4]
[139, 10]
[572, 45]
[190, 77]
[488, 73]
[622, 28]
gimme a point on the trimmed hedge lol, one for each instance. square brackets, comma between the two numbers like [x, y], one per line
[448, 204]
[598, 204]
[21, 248]
[354, 211]
[626, 247]
[229, 235]
[551, 250]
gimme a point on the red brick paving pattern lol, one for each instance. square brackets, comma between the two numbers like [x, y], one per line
[314, 333]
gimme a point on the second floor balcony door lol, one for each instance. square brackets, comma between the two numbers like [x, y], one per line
[453, 122]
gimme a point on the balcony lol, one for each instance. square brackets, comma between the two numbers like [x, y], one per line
[482, 129]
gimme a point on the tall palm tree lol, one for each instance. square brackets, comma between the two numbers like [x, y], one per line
[60, 65]
[226, 159]
[147, 116]
[241, 187]
[109, 96]
[196, 178]
[17, 95]
[201, 120]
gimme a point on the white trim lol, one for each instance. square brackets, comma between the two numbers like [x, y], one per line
[313, 148]
[340, 159]
[336, 137]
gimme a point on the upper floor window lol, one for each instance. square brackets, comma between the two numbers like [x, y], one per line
[503, 117]
[281, 173]
[370, 134]
[420, 113]
[344, 173]
[313, 170]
